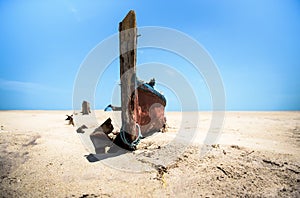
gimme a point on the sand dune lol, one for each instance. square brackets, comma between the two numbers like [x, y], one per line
[256, 154]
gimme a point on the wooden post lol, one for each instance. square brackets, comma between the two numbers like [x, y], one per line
[128, 39]
[86, 109]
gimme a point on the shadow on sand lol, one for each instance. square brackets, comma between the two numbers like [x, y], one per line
[102, 156]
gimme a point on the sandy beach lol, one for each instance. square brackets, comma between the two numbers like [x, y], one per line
[256, 154]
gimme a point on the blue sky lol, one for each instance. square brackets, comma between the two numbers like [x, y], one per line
[255, 45]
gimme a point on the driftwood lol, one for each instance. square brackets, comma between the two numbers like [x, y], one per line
[70, 119]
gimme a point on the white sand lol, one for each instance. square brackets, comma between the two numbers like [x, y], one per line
[257, 154]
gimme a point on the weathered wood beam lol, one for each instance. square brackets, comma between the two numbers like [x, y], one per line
[128, 40]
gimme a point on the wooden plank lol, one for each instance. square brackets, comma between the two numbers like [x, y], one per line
[128, 40]
[86, 109]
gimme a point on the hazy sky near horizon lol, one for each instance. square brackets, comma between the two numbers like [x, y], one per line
[255, 45]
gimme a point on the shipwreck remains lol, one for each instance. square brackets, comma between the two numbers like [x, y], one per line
[142, 107]
[86, 109]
